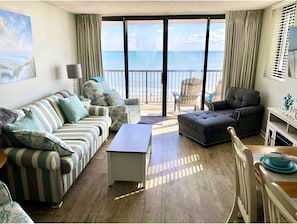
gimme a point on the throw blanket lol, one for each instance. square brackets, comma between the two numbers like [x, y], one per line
[97, 79]
[6, 116]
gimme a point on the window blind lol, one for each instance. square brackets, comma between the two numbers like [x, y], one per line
[277, 62]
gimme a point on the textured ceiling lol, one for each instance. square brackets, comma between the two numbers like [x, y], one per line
[165, 7]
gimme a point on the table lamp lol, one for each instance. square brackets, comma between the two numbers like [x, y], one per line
[74, 72]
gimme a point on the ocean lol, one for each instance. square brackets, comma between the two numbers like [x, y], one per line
[145, 71]
[152, 60]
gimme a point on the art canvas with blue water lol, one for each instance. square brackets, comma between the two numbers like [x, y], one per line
[292, 68]
[16, 48]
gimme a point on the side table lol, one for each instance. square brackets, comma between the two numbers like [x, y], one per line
[3, 159]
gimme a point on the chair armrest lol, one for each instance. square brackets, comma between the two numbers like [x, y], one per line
[118, 109]
[218, 105]
[132, 101]
[245, 111]
[175, 94]
[33, 158]
[5, 196]
[97, 110]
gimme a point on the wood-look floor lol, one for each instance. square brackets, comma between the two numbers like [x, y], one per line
[186, 183]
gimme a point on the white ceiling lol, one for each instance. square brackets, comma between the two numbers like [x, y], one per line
[153, 7]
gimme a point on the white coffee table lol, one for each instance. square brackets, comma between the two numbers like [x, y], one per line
[128, 154]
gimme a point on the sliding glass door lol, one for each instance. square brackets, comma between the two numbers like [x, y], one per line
[145, 63]
[148, 57]
[186, 51]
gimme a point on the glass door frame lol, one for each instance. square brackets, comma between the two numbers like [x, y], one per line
[165, 19]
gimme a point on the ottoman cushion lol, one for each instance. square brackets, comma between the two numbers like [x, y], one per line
[206, 127]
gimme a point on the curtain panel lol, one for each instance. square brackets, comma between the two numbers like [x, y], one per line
[88, 32]
[243, 29]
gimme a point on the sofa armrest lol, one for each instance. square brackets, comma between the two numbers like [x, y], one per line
[33, 158]
[132, 101]
[218, 105]
[97, 110]
[5, 196]
[245, 111]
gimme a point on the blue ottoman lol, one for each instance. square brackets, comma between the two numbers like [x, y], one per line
[206, 127]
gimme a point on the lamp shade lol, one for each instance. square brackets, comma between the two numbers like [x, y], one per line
[74, 71]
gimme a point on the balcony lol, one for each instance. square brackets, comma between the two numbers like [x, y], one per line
[146, 86]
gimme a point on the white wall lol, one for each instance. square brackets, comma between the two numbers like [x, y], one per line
[272, 91]
[54, 42]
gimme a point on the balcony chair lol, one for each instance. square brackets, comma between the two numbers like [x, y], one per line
[214, 96]
[247, 200]
[189, 93]
[120, 110]
[278, 206]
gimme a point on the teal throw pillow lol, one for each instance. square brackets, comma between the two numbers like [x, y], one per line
[43, 140]
[73, 109]
[29, 121]
[113, 98]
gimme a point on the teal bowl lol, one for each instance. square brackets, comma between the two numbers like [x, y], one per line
[280, 162]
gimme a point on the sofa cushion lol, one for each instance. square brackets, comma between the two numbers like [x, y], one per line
[113, 98]
[44, 141]
[54, 101]
[29, 121]
[46, 114]
[73, 109]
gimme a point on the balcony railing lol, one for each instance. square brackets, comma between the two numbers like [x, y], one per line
[146, 84]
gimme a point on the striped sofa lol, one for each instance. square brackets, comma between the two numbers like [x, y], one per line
[45, 175]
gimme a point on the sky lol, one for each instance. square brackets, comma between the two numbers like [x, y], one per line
[147, 35]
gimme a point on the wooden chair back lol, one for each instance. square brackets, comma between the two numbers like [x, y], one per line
[278, 206]
[245, 182]
[190, 91]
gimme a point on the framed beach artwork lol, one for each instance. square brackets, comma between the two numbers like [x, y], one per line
[292, 70]
[16, 47]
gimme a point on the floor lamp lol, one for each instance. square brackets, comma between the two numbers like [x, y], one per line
[74, 72]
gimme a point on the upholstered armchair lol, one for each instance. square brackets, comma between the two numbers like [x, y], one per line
[120, 110]
[11, 211]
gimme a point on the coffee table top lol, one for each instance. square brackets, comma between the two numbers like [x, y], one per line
[131, 138]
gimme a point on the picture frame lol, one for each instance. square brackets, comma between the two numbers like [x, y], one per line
[16, 48]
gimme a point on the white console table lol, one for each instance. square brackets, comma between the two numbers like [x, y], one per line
[279, 123]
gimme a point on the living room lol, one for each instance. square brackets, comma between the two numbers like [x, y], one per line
[52, 51]
[54, 38]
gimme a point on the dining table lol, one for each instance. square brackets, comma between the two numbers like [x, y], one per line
[287, 181]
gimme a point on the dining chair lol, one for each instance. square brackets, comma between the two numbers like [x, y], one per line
[189, 93]
[278, 206]
[247, 200]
